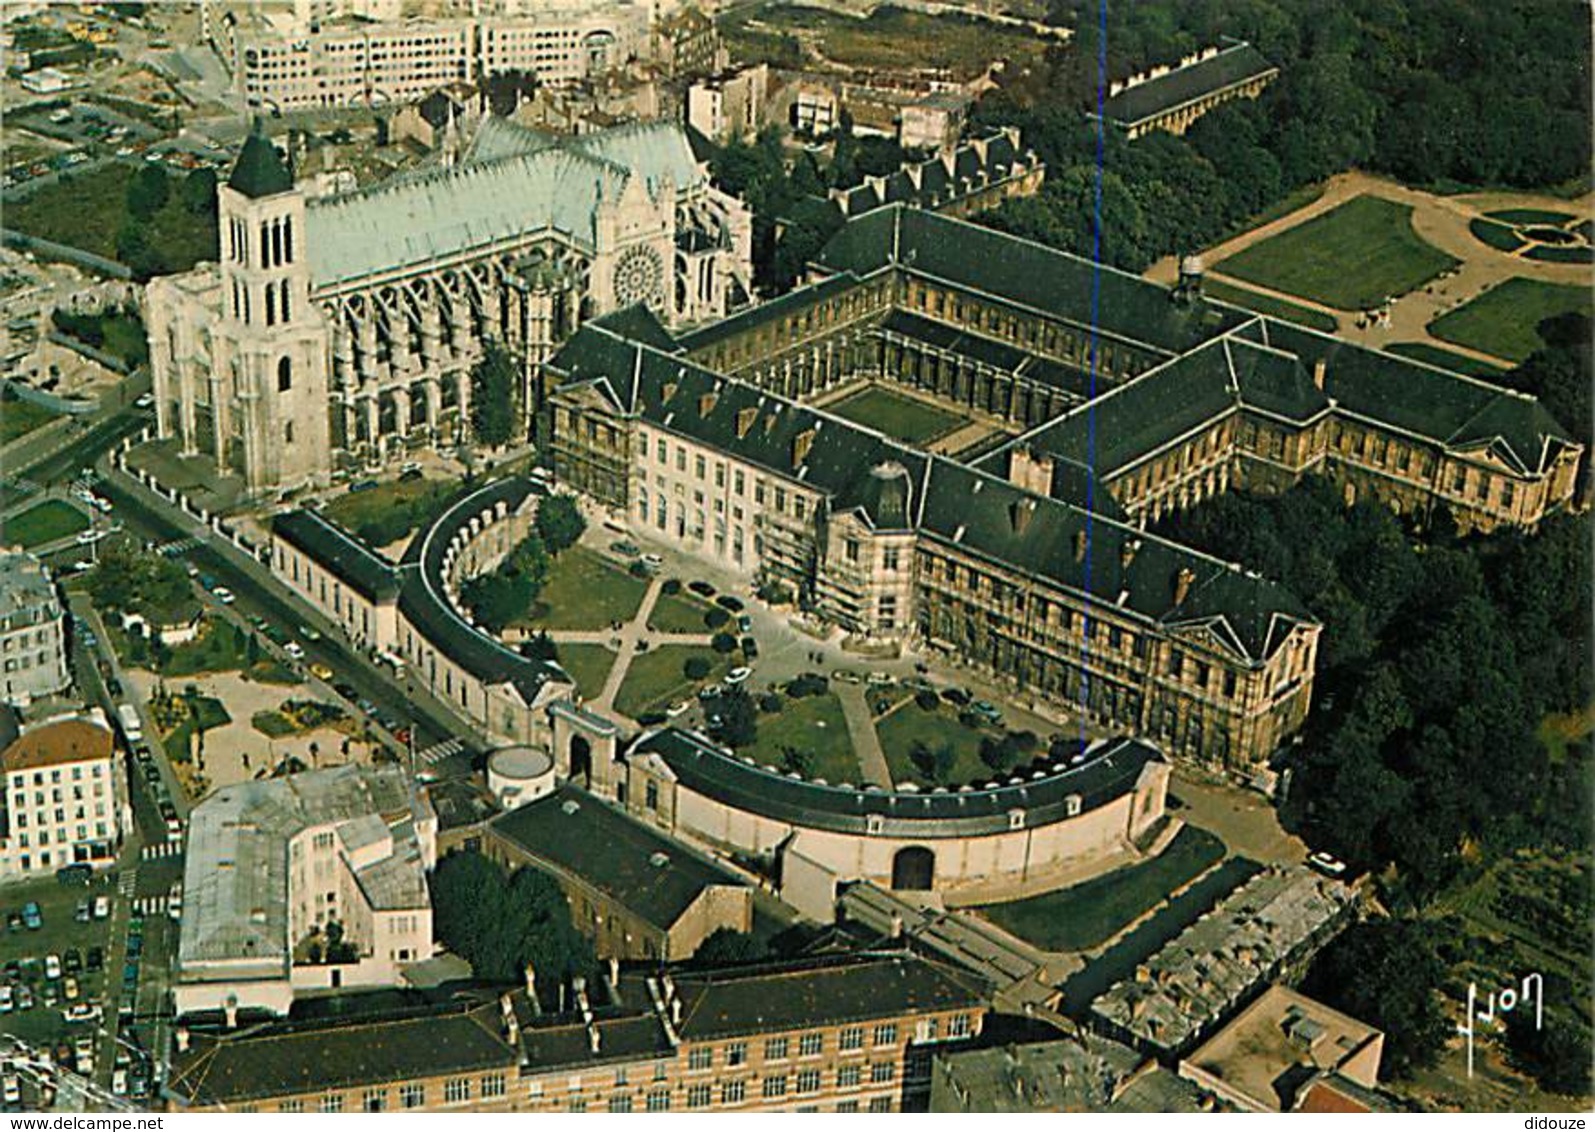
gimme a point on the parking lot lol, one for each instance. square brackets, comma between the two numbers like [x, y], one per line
[79, 950]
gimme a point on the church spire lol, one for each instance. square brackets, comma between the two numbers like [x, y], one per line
[260, 170]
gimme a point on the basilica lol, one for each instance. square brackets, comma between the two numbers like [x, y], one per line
[340, 331]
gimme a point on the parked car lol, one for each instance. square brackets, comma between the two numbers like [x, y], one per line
[652, 561]
[24, 997]
[750, 647]
[10, 1089]
[881, 680]
[69, 988]
[52, 966]
[321, 672]
[13, 921]
[987, 709]
[625, 549]
[678, 708]
[846, 676]
[72, 961]
[738, 674]
[84, 912]
[32, 917]
[102, 907]
[295, 650]
[96, 959]
[744, 623]
[7, 1003]
[1327, 864]
[224, 595]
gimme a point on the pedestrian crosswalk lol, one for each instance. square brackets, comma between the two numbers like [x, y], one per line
[176, 546]
[169, 848]
[437, 752]
[129, 882]
[152, 905]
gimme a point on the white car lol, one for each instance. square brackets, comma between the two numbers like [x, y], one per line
[1327, 864]
[101, 504]
[224, 595]
[102, 907]
[89, 537]
[678, 708]
[119, 1083]
[11, 1089]
[6, 1005]
[52, 966]
[145, 400]
[652, 561]
[880, 680]
[738, 674]
[82, 1012]
[409, 466]
[294, 649]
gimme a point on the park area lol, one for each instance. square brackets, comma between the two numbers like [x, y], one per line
[588, 665]
[42, 524]
[1088, 915]
[657, 678]
[585, 591]
[19, 417]
[1503, 320]
[383, 514]
[1352, 258]
[936, 731]
[809, 736]
[899, 416]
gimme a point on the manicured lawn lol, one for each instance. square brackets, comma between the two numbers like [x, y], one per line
[220, 647]
[814, 724]
[1073, 919]
[899, 731]
[1445, 359]
[905, 418]
[1502, 237]
[1532, 216]
[18, 417]
[1267, 304]
[1351, 258]
[678, 613]
[588, 665]
[585, 592]
[1503, 320]
[655, 679]
[43, 523]
[388, 512]
[207, 712]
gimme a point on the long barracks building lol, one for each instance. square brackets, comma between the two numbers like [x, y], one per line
[1017, 539]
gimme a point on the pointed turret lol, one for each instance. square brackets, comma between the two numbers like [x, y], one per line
[260, 170]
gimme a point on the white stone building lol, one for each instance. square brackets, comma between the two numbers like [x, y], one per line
[62, 796]
[273, 863]
[342, 330]
[32, 636]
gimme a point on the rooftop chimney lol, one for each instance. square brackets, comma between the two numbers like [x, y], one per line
[1127, 552]
[669, 390]
[745, 419]
[1182, 584]
[1079, 545]
[1320, 367]
[1020, 512]
[531, 983]
[614, 977]
[182, 1039]
[230, 1012]
[706, 403]
[1030, 470]
[801, 444]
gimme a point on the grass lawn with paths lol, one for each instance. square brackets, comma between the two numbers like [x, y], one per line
[655, 679]
[588, 665]
[584, 591]
[19, 417]
[1351, 258]
[815, 724]
[678, 613]
[43, 523]
[1086, 915]
[1503, 320]
[906, 418]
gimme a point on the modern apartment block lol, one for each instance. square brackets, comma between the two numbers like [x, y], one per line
[62, 799]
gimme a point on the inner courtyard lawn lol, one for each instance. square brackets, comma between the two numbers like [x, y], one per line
[588, 665]
[1089, 914]
[655, 679]
[899, 731]
[1503, 320]
[1351, 258]
[678, 613]
[584, 591]
[905, 418]
[814, 724]
[43, 523]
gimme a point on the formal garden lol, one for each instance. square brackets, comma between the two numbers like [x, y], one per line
[42, 524]
[1503, 321]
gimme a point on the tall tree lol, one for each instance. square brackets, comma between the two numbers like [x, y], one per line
[560, 522]
[493, 383]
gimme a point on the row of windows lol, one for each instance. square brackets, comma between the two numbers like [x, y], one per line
[19, 779]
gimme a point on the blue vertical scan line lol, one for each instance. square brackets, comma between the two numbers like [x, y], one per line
[1094, 354]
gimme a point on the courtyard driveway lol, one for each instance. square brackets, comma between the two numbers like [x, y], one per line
[1243, 819]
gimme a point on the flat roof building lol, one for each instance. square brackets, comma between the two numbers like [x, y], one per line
[273, 864]
[1270, 1056]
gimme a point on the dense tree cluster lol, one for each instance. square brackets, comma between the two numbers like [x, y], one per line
[505, 595]
[500, 922]
[792, 217]
[560, 523]
[125, 580]
[165, 230]
[1428, 93]
[493, 384]
[1438, 662]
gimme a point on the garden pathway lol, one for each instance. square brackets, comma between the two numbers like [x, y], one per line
[1442, 222]
[861, 728]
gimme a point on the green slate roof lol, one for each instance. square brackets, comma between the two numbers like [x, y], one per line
[1233, 65]
[260, 170]
[1460, 413]
[655, 878]
[368, 574]
[1027, 274]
